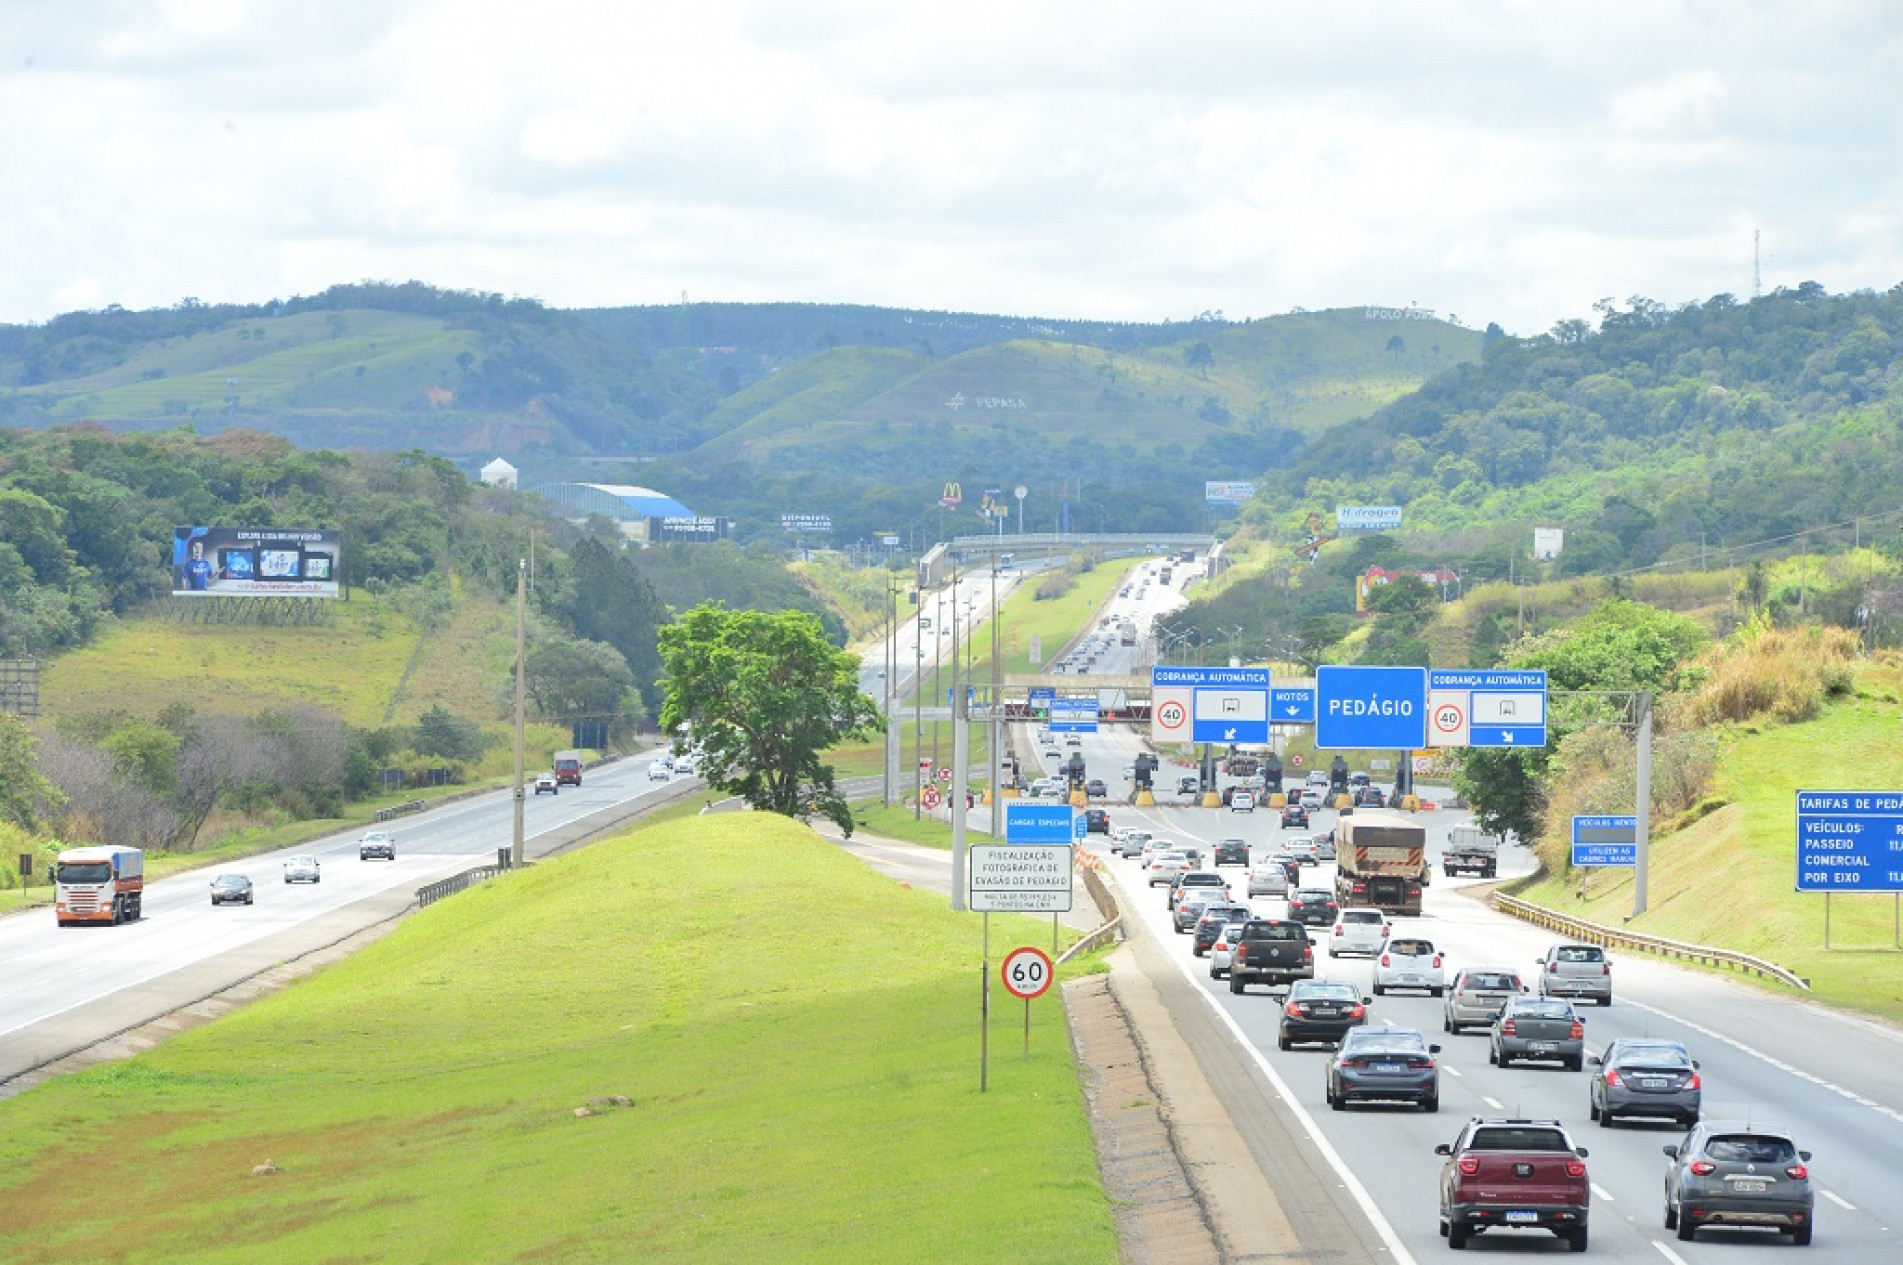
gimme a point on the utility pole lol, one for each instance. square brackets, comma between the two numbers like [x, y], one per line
[516, 856]
[1642, 810]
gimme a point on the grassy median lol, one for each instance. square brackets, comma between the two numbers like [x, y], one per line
[779, 1049]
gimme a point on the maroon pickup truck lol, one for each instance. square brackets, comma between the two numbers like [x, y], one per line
[1513, 1175]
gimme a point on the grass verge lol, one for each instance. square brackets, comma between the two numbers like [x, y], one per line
[801, 1084]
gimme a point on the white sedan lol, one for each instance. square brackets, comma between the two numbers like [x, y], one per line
[1410, 962]
[657, 772]
[1165, 866]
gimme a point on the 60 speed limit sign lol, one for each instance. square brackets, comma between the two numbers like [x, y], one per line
[1027, 972]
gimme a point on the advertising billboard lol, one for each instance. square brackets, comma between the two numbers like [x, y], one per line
[1367, 517]
[697, 528]
[255, 562]
[1547, 542]
[806, 522]
[1228, 493]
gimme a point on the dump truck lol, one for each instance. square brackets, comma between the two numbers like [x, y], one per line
[105, 884]
[1381, 862]
[1470, 850]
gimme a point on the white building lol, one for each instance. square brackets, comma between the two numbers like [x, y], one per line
[499, 474]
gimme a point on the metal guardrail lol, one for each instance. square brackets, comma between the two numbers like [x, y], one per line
[430, 893]
[1106, 904]
[1608, 937]
[397, 810]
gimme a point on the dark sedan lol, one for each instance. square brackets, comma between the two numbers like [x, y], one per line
[1370, 797]
[1384, 1064]
[1214, 918]
[1295, 816]
[1096, 821]
[1644, 1076]
[1313, 906]
[231, 889]
[1320, 1010]
[1232, 852]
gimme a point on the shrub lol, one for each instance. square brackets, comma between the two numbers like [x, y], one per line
[1782, 673]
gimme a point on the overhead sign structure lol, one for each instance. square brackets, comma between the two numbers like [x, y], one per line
[1223, 704]
[1027, 972]
[1850, 841]
[1606, 840]
[1039, 699]
[1486, 708]
[1292, 706]
[1021, 878]
[1367, 518]
[1370, 708]
[1074, 715]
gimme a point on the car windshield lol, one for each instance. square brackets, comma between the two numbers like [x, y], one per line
[1275, 931]
[85, 871]
[1411, 948]
[1384, 1041]
[1492, 982]
[1361, 915]
[1314, 896]
[1745, 1148]
[229, 880]
[1326, 990]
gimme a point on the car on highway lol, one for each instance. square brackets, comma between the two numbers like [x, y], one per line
[380, 844]
[1272, 951]
[1131, 844]
[1359, 778]
[1215, 916]
[1370, 797]
[1187, 785]
[1359, 930]
[1222, 952]
[685, 764]
[1096, 821]
[1311, 800]
[231, 889]
[1576, 970]
[1514, 1174]
[1190, 904]
[1194, 878]
[1302, 848]
[1294, 816]
[1047, 786]
[1313, 906]
[303, 870]
[1164, 866]
[1242, 802]
[658, 772]
[1319, 1010]
[1325, 846]
[1477, 993]
[1231, 852]
[1268, 877]
[1072, 740]
[1096, 789]
[1531, 1028]
[1644, 1076]
[545, 782]
[1410, 962]
[1377, 1063]
[1739, 1173]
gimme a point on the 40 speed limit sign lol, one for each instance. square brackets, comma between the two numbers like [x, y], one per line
[1027, 972]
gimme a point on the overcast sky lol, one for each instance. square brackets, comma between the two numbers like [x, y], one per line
[1113, 159]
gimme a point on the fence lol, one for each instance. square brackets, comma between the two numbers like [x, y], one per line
[397, 810]
[1580, 929]
[1106, 904]
[430, 893]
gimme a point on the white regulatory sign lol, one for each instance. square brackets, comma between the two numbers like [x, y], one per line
[1021, 878]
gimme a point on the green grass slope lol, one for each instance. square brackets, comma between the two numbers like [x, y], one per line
[801, 1085]
[1727, 879]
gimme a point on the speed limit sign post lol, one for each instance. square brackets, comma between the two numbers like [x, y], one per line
[1027, 974]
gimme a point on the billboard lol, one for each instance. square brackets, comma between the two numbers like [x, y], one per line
[806, 522]
[696, 528]
[1547, 542]
[1367, 517]
[254, 562]
[1228, 493]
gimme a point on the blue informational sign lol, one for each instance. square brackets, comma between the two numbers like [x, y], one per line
[1039, 699]
[1292, 706]
[1040, 823]
[1850, 841]
[1371, 708]
[1488, 707]
[1074, 715]
[1226, 704]
[1080, 827]
[1605, 840]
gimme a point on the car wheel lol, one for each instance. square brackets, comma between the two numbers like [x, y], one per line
[1606, 1000]
[1282, 1043]
[1456, 1235]
[1592, 1113]
[1338, 1103]
[247, 900]
[1437, 992]
[1689, 1120]
[1236, 985]
[1332, 953]
[1800, 1235]
[1671, 1216]
[1605, 1117]
[1197, 950]
[1687, 1228]
[1446, 1024]
[1431, 1103]
[1493, 1057]
[1577, 1239]
[1380, 991]
[1577, 1063]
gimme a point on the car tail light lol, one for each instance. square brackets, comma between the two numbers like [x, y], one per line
[1797, 1172]
[1340, 930]
[1437, 961]
[1384, 960]
[1577, 1032]
[1575, 1168]
[1293, 1010]
[1605, 968]
[1469, 1167]
[1357, 1011]
[1613, 1077]
[1308, 953]
[1552, 968]
[1506, 1028]
[1386, 930]
[1692, 1081]
[1703, 1168]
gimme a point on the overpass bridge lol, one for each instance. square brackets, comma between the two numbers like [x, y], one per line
[934, 568]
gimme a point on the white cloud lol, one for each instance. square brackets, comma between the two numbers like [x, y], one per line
[1506, 160]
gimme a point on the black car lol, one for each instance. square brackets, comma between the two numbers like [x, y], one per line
[231, 889]
[1313, 906]
[1214, 919]
[1096, 821]
[1395, 1064]
[1294, 815]
[1320, 1010]
[1370, 797]
[1232, 852]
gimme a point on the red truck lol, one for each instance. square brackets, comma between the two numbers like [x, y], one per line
[1513, 1174]
[568, 768]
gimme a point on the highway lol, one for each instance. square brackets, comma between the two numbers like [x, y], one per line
[1836, 1079]
[67, 987]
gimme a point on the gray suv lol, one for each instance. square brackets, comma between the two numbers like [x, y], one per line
[1644, 1076]
[1739, 1173]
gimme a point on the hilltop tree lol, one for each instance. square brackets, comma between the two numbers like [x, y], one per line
[763, 695]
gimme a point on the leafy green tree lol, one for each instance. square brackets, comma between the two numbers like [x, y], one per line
[763, 695]
[1200, 357]
[575, 680]
[441, 732]
[24, 790]
[145, 754]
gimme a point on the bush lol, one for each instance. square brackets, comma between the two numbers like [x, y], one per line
[1782, 673]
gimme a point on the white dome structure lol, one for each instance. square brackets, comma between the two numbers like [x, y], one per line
[499, 474]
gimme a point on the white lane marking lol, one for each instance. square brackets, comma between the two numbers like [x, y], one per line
[1494, 1103]
[1600, 1192]
[1772, 1061]
[1452, 1071]
[1839, 1200]
[1668, 1253]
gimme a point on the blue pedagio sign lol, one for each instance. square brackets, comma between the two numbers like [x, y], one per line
[1371, 708]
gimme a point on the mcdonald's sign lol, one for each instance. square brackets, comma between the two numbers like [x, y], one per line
[953, 497]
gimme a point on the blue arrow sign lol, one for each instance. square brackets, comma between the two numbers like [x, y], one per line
[1371, 708]
[1604, 840]
[1039, 823]
[1294, 706]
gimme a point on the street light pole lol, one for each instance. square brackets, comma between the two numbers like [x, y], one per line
[517, 844]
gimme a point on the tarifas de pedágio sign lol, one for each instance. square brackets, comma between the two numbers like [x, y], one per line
[1849, 841]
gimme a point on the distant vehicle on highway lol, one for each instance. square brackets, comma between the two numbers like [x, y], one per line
[1739, 1173]
[303, 870]
[1392, 1064]
[378, 843]
[657, 772]
[231, 889]
[545, 782]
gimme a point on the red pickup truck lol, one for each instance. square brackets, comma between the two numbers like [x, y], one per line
[1514, 1174]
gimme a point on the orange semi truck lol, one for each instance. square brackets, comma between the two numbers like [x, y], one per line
[98, 885]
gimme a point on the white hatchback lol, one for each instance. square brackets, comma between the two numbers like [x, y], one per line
[1410, 962]
[1165, 866]
[1222, 954]
[1359, 931]
[1301, 847]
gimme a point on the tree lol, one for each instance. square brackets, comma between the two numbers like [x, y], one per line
[762, 696]
[1200, 357]
[441, 732]
[24, 790]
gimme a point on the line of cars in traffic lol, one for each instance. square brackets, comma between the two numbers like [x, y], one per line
[238, 889]
[1734, 1173]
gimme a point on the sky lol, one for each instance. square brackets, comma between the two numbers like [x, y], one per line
[1491, 161]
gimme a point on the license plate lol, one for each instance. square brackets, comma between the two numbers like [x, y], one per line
[1749, 1187]
[1545, 1047]
[1651, 1082]
[1387, 1067]
[1523, 1216]
[1326, 1012]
